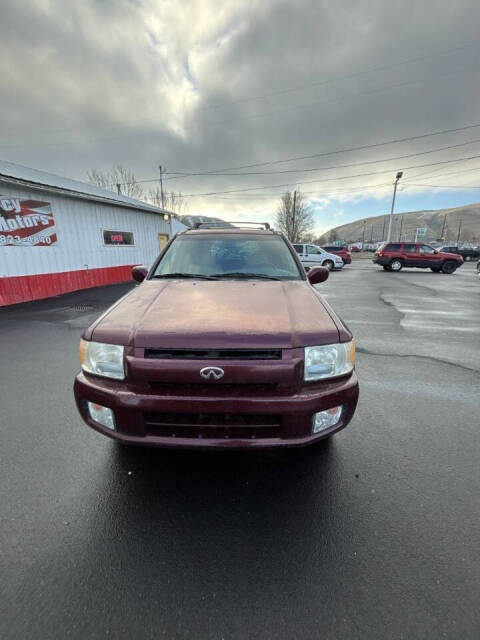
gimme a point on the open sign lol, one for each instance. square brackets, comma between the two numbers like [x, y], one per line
[123, 238]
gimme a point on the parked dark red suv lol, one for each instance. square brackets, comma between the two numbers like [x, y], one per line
[393, 256]
[343, 252]
[226, 343]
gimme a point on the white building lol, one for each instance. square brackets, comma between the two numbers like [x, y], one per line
[59, 235]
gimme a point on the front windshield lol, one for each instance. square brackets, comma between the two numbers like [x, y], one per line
[229, 256]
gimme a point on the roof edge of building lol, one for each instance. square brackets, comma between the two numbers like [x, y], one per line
[129, 203]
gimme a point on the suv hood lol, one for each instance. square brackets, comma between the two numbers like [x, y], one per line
[219, 314]
[452, 256]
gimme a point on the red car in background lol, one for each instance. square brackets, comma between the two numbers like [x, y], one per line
[343, 252]
[393, 256]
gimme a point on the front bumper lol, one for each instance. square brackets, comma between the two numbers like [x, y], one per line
[141, 414]
[381, 260]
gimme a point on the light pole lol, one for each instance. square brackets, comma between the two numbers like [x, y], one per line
[389, 234]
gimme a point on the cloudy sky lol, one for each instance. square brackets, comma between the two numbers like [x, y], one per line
[213, 87]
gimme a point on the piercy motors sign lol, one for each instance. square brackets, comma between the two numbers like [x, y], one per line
[26, 223]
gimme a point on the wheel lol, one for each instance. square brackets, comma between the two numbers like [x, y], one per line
[386, 267]
[328, 264]
[435, 269]
[468, 258]
[449, 266]
[396, 265]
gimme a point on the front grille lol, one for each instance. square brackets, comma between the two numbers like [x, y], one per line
[212, 425]
[217, 388]
[214, 354]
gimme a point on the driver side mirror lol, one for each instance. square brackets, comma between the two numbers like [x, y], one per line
[139, 273]
[317, 275]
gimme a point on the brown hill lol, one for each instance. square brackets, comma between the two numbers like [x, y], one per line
[443, 225]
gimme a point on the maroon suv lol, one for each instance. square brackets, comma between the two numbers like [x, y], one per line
[226, 343]
[343, 252]
[393, 256]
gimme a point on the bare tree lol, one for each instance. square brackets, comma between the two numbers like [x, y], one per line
[173, 201]
[117, 175]
[296, 222]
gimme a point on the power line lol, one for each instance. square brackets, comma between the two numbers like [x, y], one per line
[345, 77]
[450, 173]
[339, 166]
[358, 175]
[253, 98]
[441, 186]
[350, 95]
[334, 152]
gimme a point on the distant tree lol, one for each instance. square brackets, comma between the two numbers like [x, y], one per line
[296, 223]
[321, 240]
[118, 174]
[173, 201]
[333, 236]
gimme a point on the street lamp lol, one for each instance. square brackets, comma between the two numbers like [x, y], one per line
[389, 234]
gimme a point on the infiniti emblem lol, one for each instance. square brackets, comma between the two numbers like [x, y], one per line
[212, 373]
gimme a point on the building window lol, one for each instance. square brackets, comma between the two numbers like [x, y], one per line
[118, 238]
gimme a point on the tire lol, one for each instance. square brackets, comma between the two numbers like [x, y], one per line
[328, 264]
[449, 266]
[396, 265]
[435, 269]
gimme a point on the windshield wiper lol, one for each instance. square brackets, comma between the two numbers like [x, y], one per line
[193, 276]
[243, 274]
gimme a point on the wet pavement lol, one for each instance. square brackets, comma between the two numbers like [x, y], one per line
[374, 535]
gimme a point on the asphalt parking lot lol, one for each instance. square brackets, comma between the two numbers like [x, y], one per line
[375, 535]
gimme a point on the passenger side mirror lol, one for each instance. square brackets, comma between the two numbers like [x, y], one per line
[317, 275]
[139, 273]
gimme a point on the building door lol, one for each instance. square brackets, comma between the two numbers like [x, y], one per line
[162, 240]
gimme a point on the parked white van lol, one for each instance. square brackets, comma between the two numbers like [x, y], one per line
[312, 256]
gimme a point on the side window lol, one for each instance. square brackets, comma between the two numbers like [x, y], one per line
[426, 250]
[311, 250]
[410, 248]
[298, 248]
[392, 247]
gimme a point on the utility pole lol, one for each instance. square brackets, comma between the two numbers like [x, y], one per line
[119, 188]
[363, 233]
[400, 234]
[294, 231]
[161, 186]
[383, 230]
[459, 228]
[443, 227]
[399, 175]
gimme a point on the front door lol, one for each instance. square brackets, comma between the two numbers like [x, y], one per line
[162, 240]
[313, 256]
[428, 256]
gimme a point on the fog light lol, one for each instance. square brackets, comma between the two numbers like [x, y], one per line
[102, 415]
[326, 419]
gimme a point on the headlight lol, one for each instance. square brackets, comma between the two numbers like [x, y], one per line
[102, 359]
[329, 361]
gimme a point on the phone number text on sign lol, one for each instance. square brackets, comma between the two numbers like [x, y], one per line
[26, 223]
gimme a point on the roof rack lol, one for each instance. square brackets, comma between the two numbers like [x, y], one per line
[230, 225]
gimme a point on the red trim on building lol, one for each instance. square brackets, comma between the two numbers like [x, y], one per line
[16, 289]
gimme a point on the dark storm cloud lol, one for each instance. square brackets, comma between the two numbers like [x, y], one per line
[91, 84]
